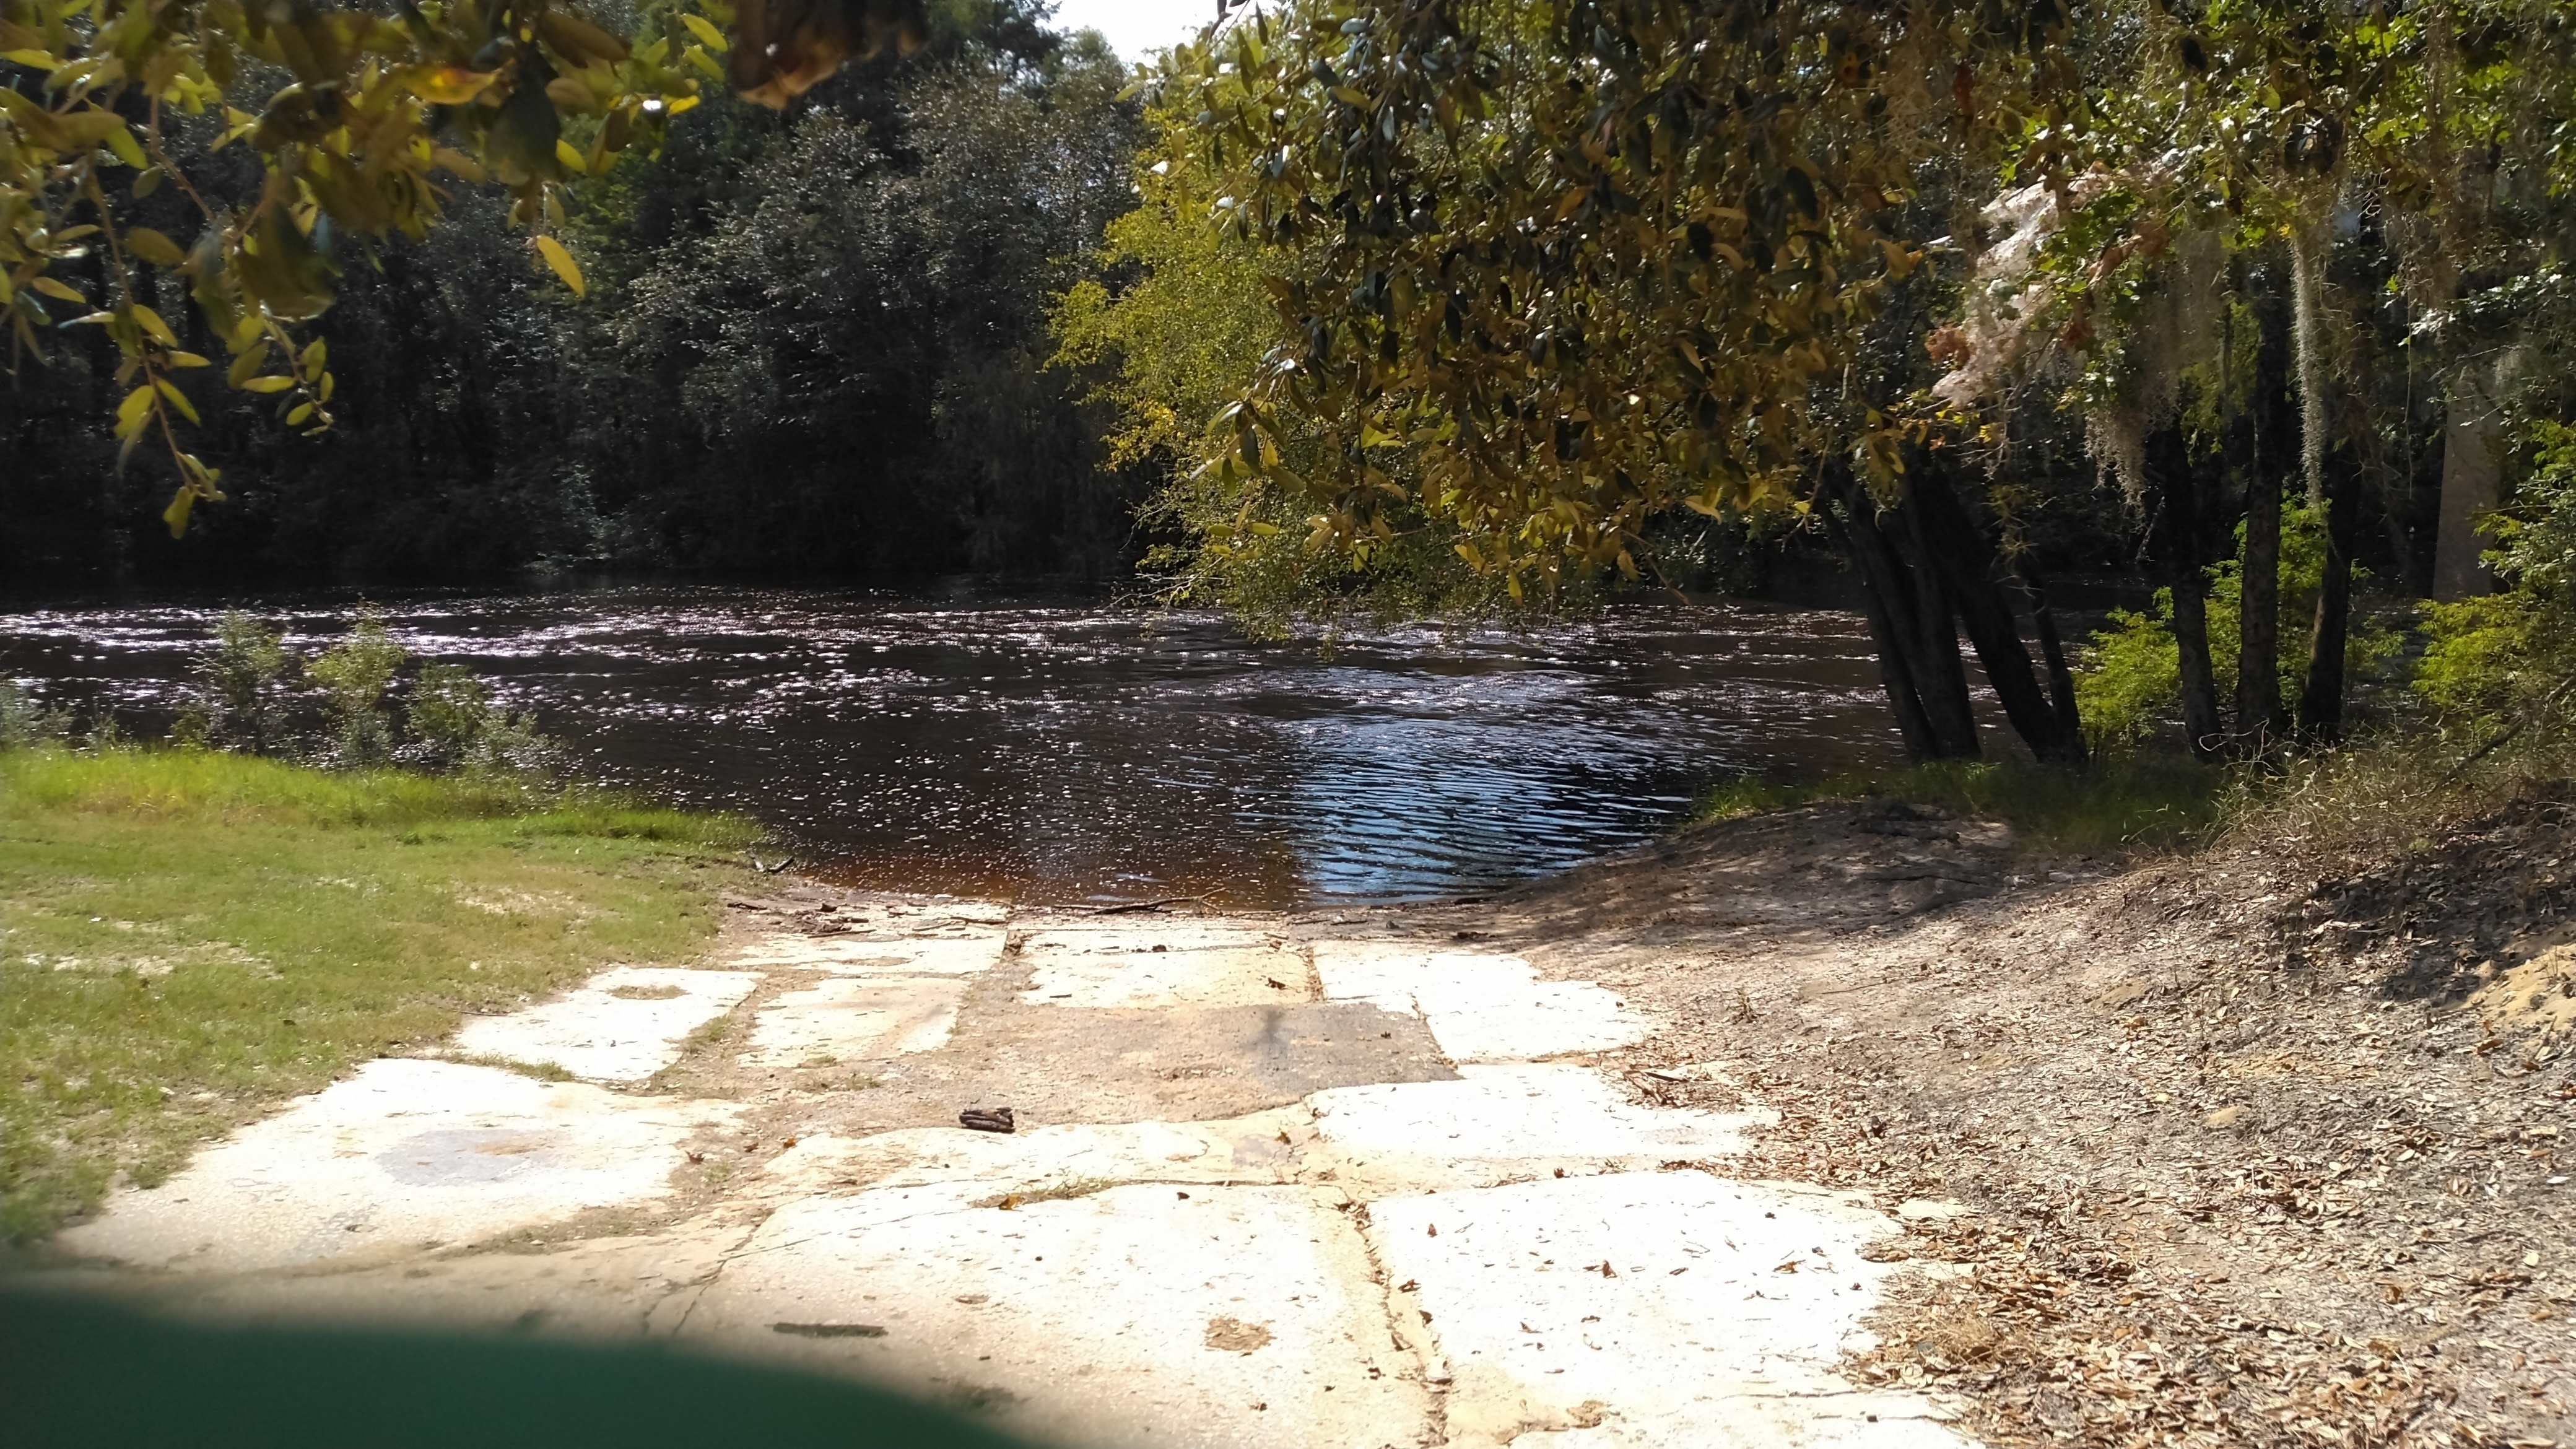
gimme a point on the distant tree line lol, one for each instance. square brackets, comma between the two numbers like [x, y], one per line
[812, 341]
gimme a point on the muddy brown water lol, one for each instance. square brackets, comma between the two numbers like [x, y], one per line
[1060, 748]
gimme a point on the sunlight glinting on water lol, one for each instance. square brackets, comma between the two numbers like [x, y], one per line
[1048, 749]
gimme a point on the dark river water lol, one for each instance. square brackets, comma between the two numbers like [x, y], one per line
[1064, 749]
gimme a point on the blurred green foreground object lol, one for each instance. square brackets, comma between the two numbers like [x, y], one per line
[74, 1371]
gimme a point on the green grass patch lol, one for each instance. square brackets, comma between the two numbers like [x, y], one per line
[2141, 799]
[188, 938]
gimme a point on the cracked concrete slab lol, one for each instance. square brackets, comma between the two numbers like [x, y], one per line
[405, 1156]
[1481, 1007]
[848, 1018]
[1260, 1148]
[1147, 1314]
[622, 1025]
[1222, 1203]
[1053, 1064]
[1508, 1121]
[1660, 1310]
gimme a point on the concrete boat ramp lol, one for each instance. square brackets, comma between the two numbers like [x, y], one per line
[1269, 1187]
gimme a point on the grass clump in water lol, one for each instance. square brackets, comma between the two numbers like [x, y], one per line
[188, 938]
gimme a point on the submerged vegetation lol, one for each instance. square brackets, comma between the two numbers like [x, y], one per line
[255, 693]
[189, 937]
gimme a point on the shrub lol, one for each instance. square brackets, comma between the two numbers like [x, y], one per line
[26, 721]
[453, 722]
[2505, 660]
[449, 710]
[2130, 682]
[241, 689]
[353, 676]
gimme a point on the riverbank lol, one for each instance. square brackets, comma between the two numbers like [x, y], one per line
[192, 939]
[1857, 1122]
[2259, 1144]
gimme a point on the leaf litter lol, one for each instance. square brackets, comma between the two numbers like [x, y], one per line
[2254, 1150]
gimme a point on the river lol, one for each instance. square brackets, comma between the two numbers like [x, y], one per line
[1058, 748]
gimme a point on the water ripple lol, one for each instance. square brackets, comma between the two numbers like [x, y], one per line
[1054, 748]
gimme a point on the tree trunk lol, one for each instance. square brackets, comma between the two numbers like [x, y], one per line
[1939, 672]
[2472, 469]
[2321, 696]
[2261, 722]
[1967, 566]
[1895, 676]
[2177, 546]
[2052, 648]
[1918, 650]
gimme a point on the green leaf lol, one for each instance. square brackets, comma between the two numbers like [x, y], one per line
[176, 515]
[177, 398]
[706, 32]
[298, 413]
[155, 247]
[266, 384]
[127, 149]
[246, 367]
[151, 323]
[562, 262]
[131, 412]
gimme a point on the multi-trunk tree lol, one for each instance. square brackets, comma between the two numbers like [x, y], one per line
[1546, 270]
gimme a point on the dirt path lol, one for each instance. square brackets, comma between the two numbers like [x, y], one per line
[1314, 1182]
[2259, 1149]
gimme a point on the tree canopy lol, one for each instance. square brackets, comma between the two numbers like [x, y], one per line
[1545, 272]
[810, 339]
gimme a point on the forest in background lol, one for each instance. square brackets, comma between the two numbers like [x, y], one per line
[1445, 307]
[814, 343]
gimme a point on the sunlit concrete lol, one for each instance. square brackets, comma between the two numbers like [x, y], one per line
[1140, 1315]
[1649, 1311]
[954, 952]
[1261, 1148]
[1505, 1122]
[851, 1018]
[622, 1025]
[1216, 1225]
[404, 1156]
[1480, 1007]
[1177, 964]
